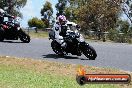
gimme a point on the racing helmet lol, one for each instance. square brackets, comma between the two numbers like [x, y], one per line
[61, 19]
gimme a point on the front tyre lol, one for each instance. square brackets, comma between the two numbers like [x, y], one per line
[57, 48]
[89, 51]
[24, 37]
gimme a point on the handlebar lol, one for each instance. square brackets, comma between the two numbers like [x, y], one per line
[9, 23]
[72, 35]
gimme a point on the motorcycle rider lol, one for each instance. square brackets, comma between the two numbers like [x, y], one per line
[4, 14]
[60, 32]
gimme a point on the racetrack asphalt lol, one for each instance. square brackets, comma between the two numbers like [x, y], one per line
[110, 55]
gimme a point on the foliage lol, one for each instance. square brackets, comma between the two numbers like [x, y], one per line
[113, 34]
[35, 22]
[99, 16]
[116, 36]
[47, 12]
[124, 26]
[13, 6]
[96, 15]
[127, 8]
[60, 6]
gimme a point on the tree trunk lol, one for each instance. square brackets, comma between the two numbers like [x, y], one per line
[36, 30]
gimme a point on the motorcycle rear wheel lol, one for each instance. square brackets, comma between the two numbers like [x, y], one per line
[1, 35]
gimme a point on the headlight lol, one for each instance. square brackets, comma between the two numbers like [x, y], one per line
[78, 35]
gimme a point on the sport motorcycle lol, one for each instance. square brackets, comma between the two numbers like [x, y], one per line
[75, 44]
[11, 30]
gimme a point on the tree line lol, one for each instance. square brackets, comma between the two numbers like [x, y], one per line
[13, 6]
[99, 16]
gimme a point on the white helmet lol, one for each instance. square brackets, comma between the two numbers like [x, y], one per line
[61, 18]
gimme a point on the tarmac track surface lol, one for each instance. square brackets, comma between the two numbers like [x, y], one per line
[113, 55]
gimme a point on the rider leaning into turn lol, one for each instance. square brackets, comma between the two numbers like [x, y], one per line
[4, 14]
[60, 32]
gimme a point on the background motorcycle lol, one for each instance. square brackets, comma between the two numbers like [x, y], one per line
[76, 45]
[11, 30]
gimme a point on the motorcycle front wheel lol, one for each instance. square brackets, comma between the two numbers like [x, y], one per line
[24, 37]
[89, 51]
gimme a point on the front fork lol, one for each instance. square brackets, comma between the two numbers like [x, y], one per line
[81, 38]
[82, 45]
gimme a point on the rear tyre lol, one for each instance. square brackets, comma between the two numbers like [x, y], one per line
[57, 48]
[24, 37]
[1, 35]
[89, 52]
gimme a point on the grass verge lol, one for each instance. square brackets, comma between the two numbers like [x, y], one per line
[40, 34]
[29, 73]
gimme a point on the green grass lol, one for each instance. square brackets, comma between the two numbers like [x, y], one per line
[17, 77]
[28, 73]
[40, 34]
